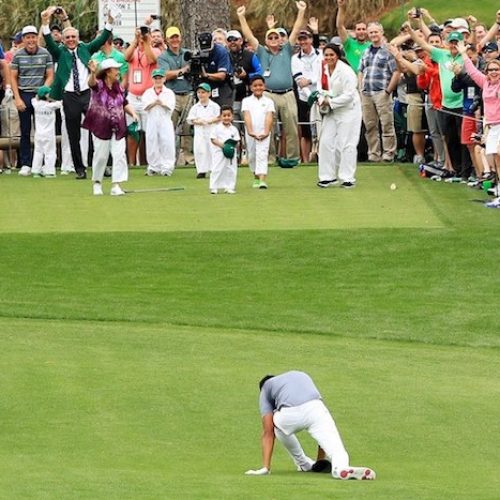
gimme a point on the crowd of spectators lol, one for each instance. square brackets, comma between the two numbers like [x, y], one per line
[430, 96]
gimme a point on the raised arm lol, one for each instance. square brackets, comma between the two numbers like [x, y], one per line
[417, 39]
[491, 32]
[299, 21]
[341, 29]
[245, 28]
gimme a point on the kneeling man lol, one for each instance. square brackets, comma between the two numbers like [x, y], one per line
[290, 403]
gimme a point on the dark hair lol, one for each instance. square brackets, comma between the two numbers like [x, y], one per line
[257, 77]
[335, 48]
[263, 381]
[226, 107]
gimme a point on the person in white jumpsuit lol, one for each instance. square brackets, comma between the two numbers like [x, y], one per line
[44, 155]
[203, 116]
[290, 403]
[340, 105]
[224, 170]
[258, 113]
[159, 103]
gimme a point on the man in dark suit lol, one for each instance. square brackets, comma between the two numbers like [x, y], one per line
[71, 78]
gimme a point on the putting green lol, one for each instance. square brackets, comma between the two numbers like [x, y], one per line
[292, 202]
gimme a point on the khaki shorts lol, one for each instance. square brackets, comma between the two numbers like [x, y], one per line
[10, 119]
[415, 113]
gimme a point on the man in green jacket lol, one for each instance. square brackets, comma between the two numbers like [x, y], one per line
[71, 78]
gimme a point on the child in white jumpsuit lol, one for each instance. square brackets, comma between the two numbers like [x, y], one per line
[224, 170]
[44, 156]
[159, 102]
[258, 113]
[203, 116]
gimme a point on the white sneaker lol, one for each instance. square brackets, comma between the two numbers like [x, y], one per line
[97, 189]
[229, 191]
[493, 204]
[213, 191]
[25, 171]
[117, 191]
[359, 473]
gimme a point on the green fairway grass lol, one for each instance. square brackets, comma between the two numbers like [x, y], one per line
[134, 331]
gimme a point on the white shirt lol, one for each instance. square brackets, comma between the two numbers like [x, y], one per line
[306, 66]
[222, 133]
[207, 111]
[258, 109]
[166, 97]
[45, 117]
[83, 75]
[342, 86]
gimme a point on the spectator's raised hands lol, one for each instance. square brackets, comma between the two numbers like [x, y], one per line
[313, 24]
[461, 47]
[47, 14]
[241, 11]
[270, 21]
[341, 3]
[301, 6]
[92, 65]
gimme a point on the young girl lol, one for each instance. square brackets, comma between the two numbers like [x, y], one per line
[159, 102]
[203, 115]
[44, 156]
[258, 113]
[224, 138]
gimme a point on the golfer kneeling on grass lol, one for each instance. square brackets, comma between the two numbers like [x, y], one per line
[289, 403]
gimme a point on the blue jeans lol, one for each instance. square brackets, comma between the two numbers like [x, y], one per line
[25, 118]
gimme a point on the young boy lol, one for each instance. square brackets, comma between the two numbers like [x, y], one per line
[44, 155]
[224, 138]
[258, 113]
[159, 102]
[203, 115]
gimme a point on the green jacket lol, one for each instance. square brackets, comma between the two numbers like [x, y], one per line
[62, 56]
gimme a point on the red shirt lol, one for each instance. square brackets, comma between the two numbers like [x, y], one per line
[429, 80]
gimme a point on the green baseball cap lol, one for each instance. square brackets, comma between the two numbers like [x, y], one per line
[205, 86]
[158, 72]
[455, 36]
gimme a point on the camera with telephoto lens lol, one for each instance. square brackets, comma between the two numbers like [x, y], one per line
[197, 58]
[155, 17]
[58, 11]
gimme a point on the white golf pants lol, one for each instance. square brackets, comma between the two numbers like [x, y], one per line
[258, 155]
[102, 148]
[315, 418]
[338, 145]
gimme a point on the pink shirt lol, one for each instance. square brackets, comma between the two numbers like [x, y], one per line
[491, 93]
[139, 71]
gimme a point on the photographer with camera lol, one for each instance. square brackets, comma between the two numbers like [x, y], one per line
[142, 59]
[213, 66]
[246, 65]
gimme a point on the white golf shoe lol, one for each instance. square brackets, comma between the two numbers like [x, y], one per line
[359, 473]
[97, 189]
[116, 190]
[25, 171]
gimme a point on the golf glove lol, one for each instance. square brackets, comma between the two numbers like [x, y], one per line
[259, 472]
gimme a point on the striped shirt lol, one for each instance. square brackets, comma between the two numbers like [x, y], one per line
[31, 68]
[377, 66]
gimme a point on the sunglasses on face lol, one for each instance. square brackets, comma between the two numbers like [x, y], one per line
[232, 39]
[273, 37]
[489, 70]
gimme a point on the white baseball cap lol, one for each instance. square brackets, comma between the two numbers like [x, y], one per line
[28, 30]
[109, 63]
[234, 34]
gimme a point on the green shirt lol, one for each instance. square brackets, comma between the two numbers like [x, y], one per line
[276, 68]
[354, 51]
[443, 57]
[115, 54]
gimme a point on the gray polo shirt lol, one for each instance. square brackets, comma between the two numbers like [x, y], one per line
[276, 68]
[31, 68]
[169, 61]
[288, 389]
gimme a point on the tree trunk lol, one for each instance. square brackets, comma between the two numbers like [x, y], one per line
[198, 16]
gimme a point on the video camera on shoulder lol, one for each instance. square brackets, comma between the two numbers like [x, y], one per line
[198, 58]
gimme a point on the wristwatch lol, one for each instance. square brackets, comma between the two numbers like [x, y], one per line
[181, 73]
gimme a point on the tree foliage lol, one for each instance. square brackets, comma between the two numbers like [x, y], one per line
[83, 13]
